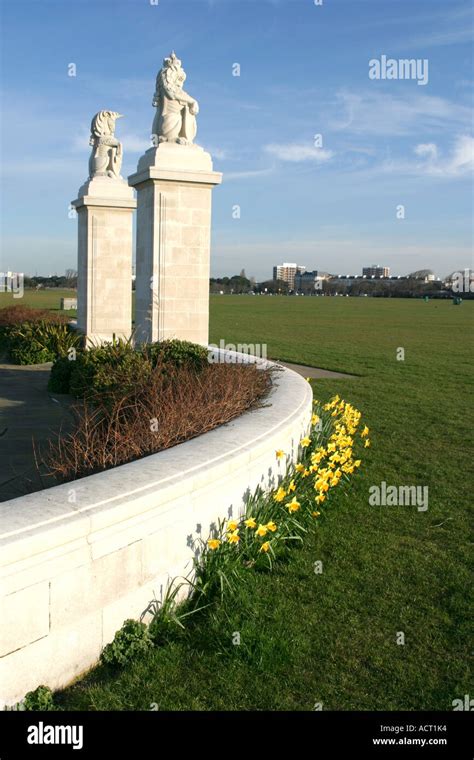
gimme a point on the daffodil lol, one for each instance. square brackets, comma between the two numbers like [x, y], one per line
[265, 546]
[293, 505]
[365, 432]
[280, 494]
[320, 498]
[299, 467]
[305, 441]
[232, 525]
[357, 463]
[292, 486]
[271, 526]
[314, 419]
[250, 523]
[316, 514]
[233, 538]
[261, 530]
[213, 543]
[279, 454]
[367, 443]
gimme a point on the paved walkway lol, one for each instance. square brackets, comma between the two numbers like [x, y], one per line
[313, 372]
[28, 412]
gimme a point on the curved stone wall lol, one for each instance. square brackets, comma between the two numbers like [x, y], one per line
[78, 559]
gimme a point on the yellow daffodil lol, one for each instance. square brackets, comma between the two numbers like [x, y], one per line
[261, 531]
[279, 454]
[233, 538]
[299, 467]
[250, 523]
[320, 498]
[321, 485]
[265, 546]
[292, 486]
[293, 505]
[316, 514]
[232, 525]
[357, 463]
[280, 494]
[367, 443]
[271, 526]
[365, 432]
[213, 543]
[314, 419]
[305, 441]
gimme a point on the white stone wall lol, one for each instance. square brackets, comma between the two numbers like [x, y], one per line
[78, 559]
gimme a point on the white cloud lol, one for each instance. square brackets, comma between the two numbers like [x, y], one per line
[381, 113]
[250, 174]
[216, 152]
[458, 163]
[297, 152]
[430, 150]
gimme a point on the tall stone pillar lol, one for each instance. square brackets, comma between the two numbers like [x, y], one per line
[174, 185]
[105, 206]
[104, 288]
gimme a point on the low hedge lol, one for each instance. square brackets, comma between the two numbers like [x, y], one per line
[119, 367]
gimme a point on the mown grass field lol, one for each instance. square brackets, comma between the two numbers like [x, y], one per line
[332, 638]
[39, 299]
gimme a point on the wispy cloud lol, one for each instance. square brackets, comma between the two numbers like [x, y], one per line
[459, 162]
[384, 114]
[250, 174]
[296, 152]
[430, 161]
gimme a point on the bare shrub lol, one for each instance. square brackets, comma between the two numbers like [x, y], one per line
[172, 406]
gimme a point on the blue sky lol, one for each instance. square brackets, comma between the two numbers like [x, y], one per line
[303, 71]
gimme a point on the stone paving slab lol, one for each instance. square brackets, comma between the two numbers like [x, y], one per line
[313, 372]
[28, 412]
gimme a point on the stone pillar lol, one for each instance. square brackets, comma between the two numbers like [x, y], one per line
[105, 208]
[174, 185]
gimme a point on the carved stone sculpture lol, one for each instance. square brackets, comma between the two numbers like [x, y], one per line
[106, 156]
[175, 119]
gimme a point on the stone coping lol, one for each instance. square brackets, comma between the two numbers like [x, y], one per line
[100, 496]
[78, 559]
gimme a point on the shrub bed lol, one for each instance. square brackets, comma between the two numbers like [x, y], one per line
[144, 409]
[117, 367]
[35, 336]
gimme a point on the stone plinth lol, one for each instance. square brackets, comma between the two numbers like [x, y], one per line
[174, 185]
[104, 291]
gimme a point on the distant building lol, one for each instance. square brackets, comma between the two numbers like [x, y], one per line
[309, 280]
[287, 273]
[376, 271]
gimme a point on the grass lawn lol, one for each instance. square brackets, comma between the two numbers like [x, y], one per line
[40, 299]
[332, 637]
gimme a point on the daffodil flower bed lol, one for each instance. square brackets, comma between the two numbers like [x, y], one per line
[272, 522]
[328, 457]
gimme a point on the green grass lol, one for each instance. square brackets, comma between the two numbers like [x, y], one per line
[331, 638]
[40, 299]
